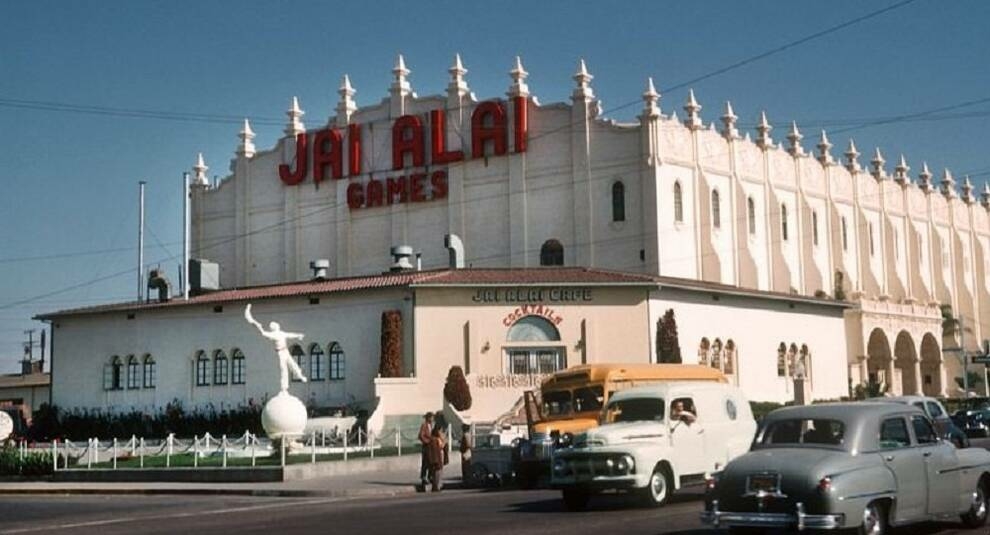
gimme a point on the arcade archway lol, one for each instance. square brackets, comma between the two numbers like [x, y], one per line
[906, 363]
[879, 359]
[932, 379]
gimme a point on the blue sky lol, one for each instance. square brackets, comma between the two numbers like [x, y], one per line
[70, 179]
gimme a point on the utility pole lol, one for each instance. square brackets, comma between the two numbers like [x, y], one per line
[29, 346]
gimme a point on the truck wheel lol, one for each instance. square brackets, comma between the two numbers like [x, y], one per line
[874, 520]
[976, 516]
[658, 489]
[576, 499]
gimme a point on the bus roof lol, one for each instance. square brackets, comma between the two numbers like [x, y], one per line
[597, 373]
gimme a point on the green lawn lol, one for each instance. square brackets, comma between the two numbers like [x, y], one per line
[186, 459]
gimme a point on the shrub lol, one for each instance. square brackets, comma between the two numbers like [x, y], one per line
[456, 390]
[33, 463]
[390, 360]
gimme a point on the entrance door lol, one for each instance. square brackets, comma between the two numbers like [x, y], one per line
[687, 437]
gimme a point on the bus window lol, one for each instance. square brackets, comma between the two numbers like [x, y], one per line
[557, 403]
[589, 399]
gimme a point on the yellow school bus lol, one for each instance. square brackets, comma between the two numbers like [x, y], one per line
[570, 402]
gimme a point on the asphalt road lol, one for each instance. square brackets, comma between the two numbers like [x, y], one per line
[515, 512]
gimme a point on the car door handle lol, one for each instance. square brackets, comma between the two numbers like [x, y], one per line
[889, 458]
[927, 454]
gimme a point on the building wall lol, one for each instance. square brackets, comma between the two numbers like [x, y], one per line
[31, 397]
[757, 326]
[173, 337]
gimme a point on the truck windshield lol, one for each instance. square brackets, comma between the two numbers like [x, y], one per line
[635, 410]
[557, 403]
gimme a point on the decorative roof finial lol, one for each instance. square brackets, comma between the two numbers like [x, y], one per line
[967, 190]
[795, 137]
[877, 162]
[457, 86]
[346, 105]
[246, 135]
[825, 150]
[519, 88]
[852, 158]
[295, 125]
[199, 172]
[651, 98]
[925, 178]
[985, 196]
[692, 120]
[583, 78]
[401, 85]
[763, 129]
[901, 172]
[948, 184]
[729, 130]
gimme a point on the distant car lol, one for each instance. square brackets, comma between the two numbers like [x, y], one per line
[863, 466]
[973, 422]
[936, 412]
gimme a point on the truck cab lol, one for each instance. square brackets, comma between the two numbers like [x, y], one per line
[655, 439]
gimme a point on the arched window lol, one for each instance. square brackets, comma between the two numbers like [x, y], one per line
[782, 360]
[618, 201]
[814, 227]
[533, 329]
[112, 373]
[317, 368]
[133, 372]
[751, 215]
[716, 361]
[552, 253]
[845, 235]
[791, 359]
[237, 367]
[202, 369]
[337, 362]
[299, 355]
[802, 368]
[783, 221]
[219, 367]
[703, 348]
[729, 360]
[716, 210]
[678, 203]
[150, 372]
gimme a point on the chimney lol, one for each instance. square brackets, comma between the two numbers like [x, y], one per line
[401, 255]
[455, 247]
[320, 267]
[158, 281]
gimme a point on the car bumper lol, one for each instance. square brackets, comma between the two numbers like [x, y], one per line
[600, 483]
[798, 520]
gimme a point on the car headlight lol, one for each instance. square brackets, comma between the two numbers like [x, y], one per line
[623, 464]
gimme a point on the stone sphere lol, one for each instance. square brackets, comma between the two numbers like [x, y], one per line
[284, 415]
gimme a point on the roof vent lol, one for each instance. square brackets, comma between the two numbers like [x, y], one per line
[204, 276]
[320, 267]
[158, 281]
[402, 258]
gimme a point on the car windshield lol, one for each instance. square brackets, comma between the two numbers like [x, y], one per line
[818, 432]
[635, 410]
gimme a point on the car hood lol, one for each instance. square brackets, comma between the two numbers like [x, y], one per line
[622, 432]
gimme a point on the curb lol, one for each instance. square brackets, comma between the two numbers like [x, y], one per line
[218, 491]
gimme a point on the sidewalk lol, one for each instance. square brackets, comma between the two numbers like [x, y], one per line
[368, 484]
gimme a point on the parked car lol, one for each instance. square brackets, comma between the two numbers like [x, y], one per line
[973, 422]
[936, 412]
[864, 466]
[653, 440]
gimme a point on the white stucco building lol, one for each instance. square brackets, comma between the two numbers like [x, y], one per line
[792, 254]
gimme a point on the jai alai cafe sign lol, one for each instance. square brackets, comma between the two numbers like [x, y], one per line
[319, 154]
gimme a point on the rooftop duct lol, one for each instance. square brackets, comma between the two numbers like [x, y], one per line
[320, 267]
[455, 247]
[158, 281]
[204, 276]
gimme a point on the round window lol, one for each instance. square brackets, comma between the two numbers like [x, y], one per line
[730, 409]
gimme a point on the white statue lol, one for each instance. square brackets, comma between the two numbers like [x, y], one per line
[285, 361]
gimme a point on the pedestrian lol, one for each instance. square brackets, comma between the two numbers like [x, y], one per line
[425, 432]
[465, 448]
[437, 447]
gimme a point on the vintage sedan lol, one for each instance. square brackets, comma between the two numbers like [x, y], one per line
[864, 466]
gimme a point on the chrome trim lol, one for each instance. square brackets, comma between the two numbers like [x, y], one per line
[956, 469]
[867, 495]
[799, 519]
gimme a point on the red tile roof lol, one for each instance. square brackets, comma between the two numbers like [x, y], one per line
[440, 277]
